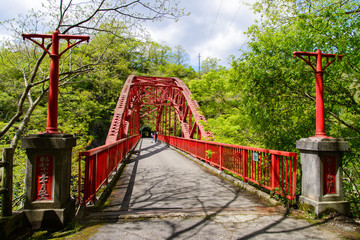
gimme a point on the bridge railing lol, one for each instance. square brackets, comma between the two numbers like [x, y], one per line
[100, 162]
[270, 169]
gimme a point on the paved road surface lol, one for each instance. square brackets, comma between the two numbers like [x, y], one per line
[164, 195]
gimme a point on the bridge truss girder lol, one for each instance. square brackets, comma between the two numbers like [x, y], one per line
[166, 101]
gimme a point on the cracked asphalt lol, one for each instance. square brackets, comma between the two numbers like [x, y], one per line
[164, 195]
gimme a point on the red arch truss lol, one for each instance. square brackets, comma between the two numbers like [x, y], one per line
[165, 102]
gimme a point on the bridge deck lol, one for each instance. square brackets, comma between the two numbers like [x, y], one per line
[159, 179]
[184, 200]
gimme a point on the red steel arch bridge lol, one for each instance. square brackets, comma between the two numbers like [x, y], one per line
[166, 105]
[166, 102]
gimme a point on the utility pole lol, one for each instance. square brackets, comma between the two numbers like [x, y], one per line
[199, 63]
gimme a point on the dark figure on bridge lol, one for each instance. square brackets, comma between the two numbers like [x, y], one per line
[155, 135]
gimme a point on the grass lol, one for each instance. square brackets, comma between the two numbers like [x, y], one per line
[74, 230]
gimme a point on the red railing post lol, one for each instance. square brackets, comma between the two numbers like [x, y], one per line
[206, 155]
[86, 180]
[79, 180]
[275, 172]
[196, 145]
[245, 165]
[221, 157]
[174, 125]
[108, 162]
[294, 169]
[169, 121]
[117, 153]
[93, 190]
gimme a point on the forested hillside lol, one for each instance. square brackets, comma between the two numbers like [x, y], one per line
[265, 98]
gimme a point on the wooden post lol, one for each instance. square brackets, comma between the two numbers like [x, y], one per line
[7, 182]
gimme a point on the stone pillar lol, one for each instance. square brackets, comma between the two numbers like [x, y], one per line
[47, 187]
[321, 183]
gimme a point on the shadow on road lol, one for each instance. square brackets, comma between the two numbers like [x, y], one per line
[148, 203]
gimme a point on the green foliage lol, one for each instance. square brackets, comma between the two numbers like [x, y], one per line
[175, 70]
[210, 64]
[267, 99]
[208, 154]
[307, 26]
[86, 101]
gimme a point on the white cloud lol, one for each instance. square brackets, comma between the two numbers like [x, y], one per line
[12, 8]
[199, 33]
[193, 32]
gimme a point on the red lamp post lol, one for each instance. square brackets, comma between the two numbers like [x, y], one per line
[319, 71]
[52, 112]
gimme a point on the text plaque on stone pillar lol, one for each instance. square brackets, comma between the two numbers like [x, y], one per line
[330, 170]
[44, 175]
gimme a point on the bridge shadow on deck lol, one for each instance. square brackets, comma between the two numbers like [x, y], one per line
[153, 187]
[125, 204]
[163, 186]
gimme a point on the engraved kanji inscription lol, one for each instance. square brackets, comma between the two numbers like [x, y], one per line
[329, 175]
[44, 178]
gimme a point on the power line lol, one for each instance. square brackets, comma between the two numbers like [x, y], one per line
[229, 26]
[222, 38]
[215, 21]
[233, 20]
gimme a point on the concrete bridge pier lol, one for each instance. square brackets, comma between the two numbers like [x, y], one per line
[321, 184]
[47, 195]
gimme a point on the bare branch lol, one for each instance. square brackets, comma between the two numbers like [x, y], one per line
[67, 74]
[62, 13]
[85, 20]
[20, 105]
[343, 122]
[26, 119]
[352, 182]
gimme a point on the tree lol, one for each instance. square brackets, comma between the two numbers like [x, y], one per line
[175, 70]
[274, 95]
[85, 17]
[180, 57]
[209, 64]
[89, 74]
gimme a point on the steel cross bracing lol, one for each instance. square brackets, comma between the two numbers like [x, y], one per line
[165, 102]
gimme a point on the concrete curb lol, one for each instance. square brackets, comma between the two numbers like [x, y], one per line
[230, 178]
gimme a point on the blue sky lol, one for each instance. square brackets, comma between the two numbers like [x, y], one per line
[215, 28]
